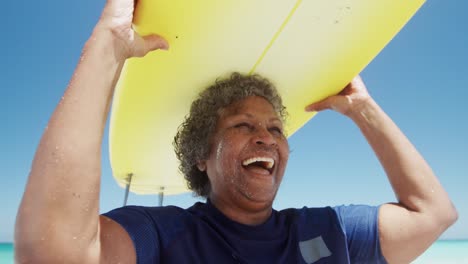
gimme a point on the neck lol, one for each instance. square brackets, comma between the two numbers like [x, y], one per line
[251, 213]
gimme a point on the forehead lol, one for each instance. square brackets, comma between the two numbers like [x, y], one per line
[251, 106]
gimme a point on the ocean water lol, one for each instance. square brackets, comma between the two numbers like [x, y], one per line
[442, 252]
[6, 253]
[445, 252]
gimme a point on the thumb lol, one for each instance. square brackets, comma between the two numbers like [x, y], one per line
[321, 105]
[146, 44]
[155, 42]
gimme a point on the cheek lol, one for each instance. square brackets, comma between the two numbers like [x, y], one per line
[228, 153]
[223, 154]
[219, 150]
[284, 151]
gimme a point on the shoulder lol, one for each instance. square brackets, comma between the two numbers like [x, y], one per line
[360, 225]
[158, 217]
[340, 215]
[356, 214]
[151, 228]
[312, 220]
[146, 211]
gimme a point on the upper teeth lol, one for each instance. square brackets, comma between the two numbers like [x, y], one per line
[269, 161]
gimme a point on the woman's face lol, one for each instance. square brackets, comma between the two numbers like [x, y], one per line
[248, 154]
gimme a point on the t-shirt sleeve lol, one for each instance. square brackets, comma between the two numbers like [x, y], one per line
[139, 225]
[360, 225]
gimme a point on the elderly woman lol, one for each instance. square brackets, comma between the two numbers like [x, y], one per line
[233, 151]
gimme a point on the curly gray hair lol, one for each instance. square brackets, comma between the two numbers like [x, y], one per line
[192, 141]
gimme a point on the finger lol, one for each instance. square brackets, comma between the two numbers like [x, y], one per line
[144, 45]
[135, 3]
[358, 80]
[321, 105]
[155, 42]
[358, 83]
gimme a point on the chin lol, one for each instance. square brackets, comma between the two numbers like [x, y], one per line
[261, 197]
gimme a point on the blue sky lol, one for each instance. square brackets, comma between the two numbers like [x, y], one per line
[420, 79]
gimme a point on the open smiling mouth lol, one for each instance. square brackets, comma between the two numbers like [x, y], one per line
[261, 165]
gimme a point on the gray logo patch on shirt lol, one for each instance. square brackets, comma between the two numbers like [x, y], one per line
[314, 249]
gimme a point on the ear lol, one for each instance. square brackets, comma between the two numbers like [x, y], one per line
[201, 165]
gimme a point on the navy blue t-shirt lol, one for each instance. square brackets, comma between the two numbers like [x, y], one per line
[202, 234]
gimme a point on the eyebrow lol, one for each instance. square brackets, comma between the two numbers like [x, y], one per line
[273, 119]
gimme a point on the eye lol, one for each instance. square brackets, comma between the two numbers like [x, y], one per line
[276, 130]
[244, 125]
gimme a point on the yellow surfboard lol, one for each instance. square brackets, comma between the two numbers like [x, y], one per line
[310, 49]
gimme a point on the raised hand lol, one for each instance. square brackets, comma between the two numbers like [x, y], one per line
[348, 100]
[117, 19]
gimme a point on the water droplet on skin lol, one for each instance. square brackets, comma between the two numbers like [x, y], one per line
[75, 75]
[219, 150]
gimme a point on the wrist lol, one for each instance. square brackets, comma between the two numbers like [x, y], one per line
[363, 111]
[105, 39]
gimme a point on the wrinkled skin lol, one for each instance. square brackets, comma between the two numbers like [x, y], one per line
[248, 128]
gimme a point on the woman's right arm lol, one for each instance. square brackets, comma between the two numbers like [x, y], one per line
[58, 220]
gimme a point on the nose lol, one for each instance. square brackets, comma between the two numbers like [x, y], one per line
[264, 137]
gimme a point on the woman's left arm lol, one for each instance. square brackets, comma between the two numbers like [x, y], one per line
[424, 210]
